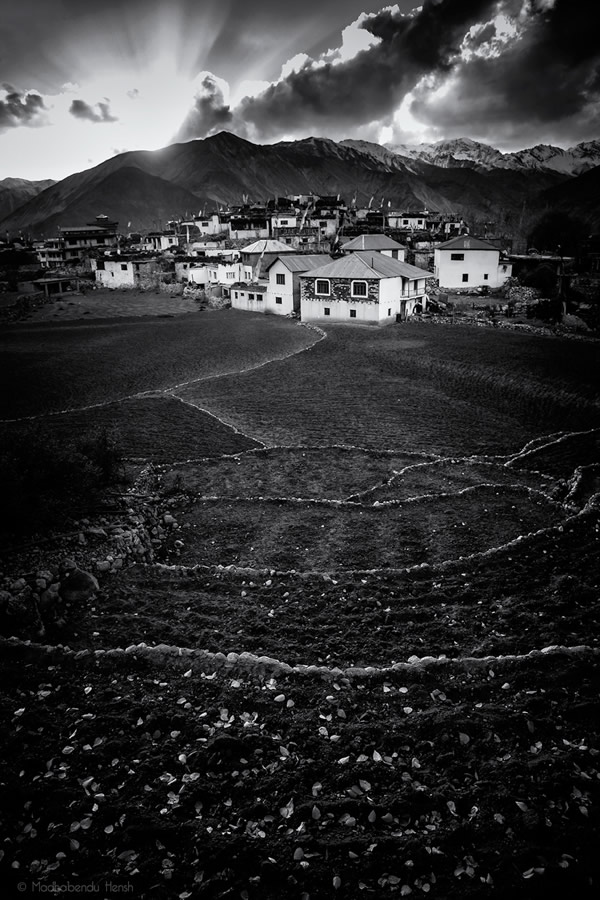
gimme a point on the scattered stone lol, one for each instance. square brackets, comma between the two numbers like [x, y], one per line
[78, 586]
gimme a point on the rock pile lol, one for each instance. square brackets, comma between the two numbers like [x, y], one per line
[32, 601]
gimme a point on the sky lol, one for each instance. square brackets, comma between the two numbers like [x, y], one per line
[81, 82]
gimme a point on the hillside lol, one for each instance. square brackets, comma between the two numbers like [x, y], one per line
[127, 195]
[580, 196]
[14, 192]
[180, 178]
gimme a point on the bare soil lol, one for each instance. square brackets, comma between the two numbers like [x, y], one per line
[104, 304]
[366, 670]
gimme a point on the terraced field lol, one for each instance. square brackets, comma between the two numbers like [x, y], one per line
[365, 659]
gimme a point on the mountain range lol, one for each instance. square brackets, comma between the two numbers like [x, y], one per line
[574, 161]
[462, 177]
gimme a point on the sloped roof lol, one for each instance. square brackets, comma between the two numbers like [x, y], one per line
[372, 242]
[302, 262]
[266, 245]
[368, 265]
[467, 242]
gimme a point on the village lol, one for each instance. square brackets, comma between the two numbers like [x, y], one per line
[317, 259]
[314, 258]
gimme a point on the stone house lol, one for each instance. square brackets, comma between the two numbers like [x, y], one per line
[121, 272]
[362, 287]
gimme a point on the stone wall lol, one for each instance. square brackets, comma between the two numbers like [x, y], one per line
[23, 305]
[340, 290]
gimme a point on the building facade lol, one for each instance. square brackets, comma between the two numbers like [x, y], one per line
[366, 288]
[283, 294]
[467, 262]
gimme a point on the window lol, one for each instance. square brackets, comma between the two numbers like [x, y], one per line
[457, 256]
[123, 267]
[359, 289]
[283, 222]
[205, 224]
[100, 264]
[352, 313]
[323, 224]
[250, 296]
[278, 300]
[486, 276]
[280, 278]
[235, 294]
[327, 311]
[229, 274]
[465, 276]
[322, 286]
[389, 312]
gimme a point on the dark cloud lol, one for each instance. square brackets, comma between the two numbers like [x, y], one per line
[543, 86]
[19, 108]
[100, 113]
[209, 114]
[336, 96]
[373, 83]
[545, 76]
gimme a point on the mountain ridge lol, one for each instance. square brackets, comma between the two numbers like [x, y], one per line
[573, 161]
[223, 168]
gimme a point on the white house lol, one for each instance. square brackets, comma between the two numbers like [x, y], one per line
[469, 262]
[124, 273]
[210, 224]
[362, 287]
[410, 221]
[249, 296]
[381, 243]
[284, 220]
[215, 274]
[283, 294]
[156, 241]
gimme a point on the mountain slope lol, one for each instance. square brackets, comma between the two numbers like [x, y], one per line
[14, 192]
[578, 197]
[126, 195]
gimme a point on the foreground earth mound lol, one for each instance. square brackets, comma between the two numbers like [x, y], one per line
[183, 774]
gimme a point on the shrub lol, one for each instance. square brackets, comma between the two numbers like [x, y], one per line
[45, 479]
